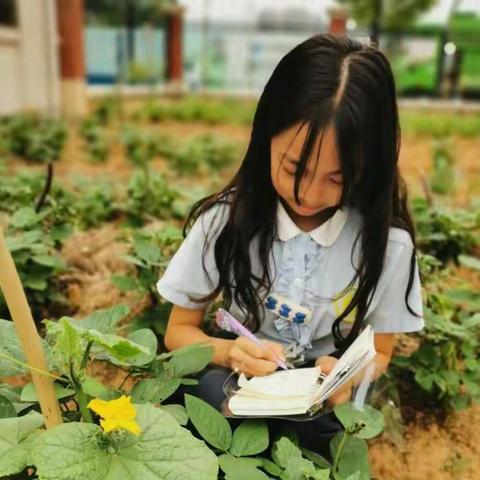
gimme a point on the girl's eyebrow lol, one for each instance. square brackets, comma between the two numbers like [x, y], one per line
[292, 160]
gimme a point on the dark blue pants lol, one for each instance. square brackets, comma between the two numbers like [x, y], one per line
[312, 434]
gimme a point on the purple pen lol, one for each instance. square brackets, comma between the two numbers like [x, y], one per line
[226, 321]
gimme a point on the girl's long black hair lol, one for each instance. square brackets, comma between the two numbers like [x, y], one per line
[324, 81]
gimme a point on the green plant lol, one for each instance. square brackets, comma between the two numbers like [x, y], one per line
[146, 436]
[208, 152]
[148, 193]
[106, 110]
[439, 124]
[445, 367]
[37, 262]
[198, 109]
[445, 233]
[5, 137]
[149, 256]
[94, 203]
[39, 140]
[160, 449]
[22, 191]
[96, 140]
[442, 179]
[148, 198]
[240, 452]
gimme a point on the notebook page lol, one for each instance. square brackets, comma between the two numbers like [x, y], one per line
[349, 364]
[284, 383]
[345, 378]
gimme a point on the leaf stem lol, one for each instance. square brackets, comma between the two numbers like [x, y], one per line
[38, 370]
[125, 379]
[86, 355]
[339, 452]
[82, 405]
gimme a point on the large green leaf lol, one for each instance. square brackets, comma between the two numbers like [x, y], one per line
[10, 348]
[210, 423]
[177, 411]
[29, 394]
[26, 217]
[316, 458]
[67, 344]
[283, 451]
[7, 409]
[95, 389]
[241, 468]
[353, 456]
[469, 262]
[24, 240]
[146, 249]
[367, 423]
[13, 395]
[163, 451]
[14, 442]
[155, 390]
[191, 359]
[117, 347]
[289, 457]
[146, 338]
[70, 339]
[105, 320]
[249, 438]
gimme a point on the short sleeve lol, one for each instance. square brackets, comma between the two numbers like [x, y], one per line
[185, 277]
[390, 313]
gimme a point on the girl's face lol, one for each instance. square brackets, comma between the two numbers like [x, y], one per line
[321, 185]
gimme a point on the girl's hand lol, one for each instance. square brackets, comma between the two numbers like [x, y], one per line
[344, 393]
[247, 357]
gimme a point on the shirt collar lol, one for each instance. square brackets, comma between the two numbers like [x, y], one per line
[325, 235]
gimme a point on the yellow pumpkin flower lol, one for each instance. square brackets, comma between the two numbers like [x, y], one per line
[118, 413]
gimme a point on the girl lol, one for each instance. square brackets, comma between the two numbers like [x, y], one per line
[311, 239]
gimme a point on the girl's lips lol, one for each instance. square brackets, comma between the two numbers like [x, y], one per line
[306, 211]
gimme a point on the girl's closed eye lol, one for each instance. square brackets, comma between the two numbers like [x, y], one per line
[290, 169]
[336, 180]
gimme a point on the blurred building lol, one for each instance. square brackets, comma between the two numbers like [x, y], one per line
[29, 65]
[43, 54]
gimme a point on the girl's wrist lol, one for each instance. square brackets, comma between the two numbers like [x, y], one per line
[221, 354]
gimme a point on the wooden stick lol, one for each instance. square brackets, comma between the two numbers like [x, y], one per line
[27, 332]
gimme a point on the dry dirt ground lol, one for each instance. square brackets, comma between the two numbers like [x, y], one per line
[436, 452]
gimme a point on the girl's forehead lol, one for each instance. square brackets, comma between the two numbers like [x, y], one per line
[291, 142]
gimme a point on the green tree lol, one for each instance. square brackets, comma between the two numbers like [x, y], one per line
[383, 14]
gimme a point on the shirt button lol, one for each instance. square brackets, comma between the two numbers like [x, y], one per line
[298, 282]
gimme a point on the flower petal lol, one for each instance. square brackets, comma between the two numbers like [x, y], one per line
[130, 425]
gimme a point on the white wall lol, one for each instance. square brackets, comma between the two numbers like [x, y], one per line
[29, 75]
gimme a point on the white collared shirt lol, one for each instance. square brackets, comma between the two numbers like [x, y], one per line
[311, 269]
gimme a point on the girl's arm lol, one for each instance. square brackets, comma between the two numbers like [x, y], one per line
[184, 328]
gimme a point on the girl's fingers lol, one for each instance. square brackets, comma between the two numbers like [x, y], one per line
[249, 347]
[276, 348]
[270, 352]
[254, 367]
[343, 395]
[326, 363]
[250, 366]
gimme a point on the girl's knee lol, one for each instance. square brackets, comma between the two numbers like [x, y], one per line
[210, 386]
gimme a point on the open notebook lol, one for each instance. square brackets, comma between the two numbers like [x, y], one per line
[299, 391]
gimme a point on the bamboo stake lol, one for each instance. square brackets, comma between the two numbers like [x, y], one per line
[27, 332]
